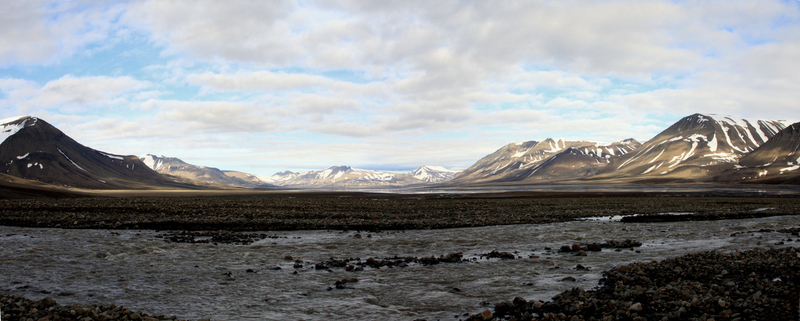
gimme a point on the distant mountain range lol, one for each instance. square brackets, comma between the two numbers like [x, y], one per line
[209, 175]
[548, 160]
[697, 148]
[345, 176]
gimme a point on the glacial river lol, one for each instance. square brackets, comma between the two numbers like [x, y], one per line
[136, 269]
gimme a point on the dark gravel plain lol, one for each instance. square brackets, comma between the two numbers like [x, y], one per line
[362, 211]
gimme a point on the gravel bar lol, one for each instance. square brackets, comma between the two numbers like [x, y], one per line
[756, 284]
[355, 211]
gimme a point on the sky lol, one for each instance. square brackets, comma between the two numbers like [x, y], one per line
[267, 86]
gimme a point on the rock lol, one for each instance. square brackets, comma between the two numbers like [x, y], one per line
[569, 279]
[48, 301]
[576, 247]
[288, 258]
[594, 247]
[519, 301]
[501, 309]
[487, 315]
[636, 307]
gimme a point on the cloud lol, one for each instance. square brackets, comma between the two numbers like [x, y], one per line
[237, 30]
[366, 81]
[43, 32]
[218, 116]
[268, 81]
[70, 93]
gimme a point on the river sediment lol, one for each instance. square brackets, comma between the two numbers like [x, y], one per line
[355, 211]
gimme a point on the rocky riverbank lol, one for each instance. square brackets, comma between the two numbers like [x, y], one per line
[757, 284]
[367, 212]
[745, 285]
[18, 308]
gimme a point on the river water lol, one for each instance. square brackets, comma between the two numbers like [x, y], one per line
[138, 270]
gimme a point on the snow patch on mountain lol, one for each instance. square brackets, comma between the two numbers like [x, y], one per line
[154, 162]
[10, 126]
[433, 174]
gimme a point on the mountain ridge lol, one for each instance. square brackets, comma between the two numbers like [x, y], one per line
[204, 174]
[696, 148]
[33, 149]
[534, 160]
[348, 177]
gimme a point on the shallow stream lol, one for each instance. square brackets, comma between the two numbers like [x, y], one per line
[138, 270]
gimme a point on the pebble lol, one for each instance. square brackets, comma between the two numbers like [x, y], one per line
[20, 308]
[690, 287]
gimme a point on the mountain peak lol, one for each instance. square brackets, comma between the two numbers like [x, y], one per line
[697, 146]
[34, 149]
[12, 125]
[433, 174]
[13, 119]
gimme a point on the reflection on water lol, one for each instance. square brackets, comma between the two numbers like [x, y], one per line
[136, 269]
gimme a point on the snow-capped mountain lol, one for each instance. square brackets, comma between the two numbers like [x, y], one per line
[210, 175]
[348, 177]
[342, 177]
[696, 147]
[31, 148]
[546, 160]
[281, 178]
[776, 161]
[433, 174]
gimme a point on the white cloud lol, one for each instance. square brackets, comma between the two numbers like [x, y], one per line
[235, 30]
[45, 31]
[372, 80]
[69, 93]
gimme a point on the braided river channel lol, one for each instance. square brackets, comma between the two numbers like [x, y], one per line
[141, 271]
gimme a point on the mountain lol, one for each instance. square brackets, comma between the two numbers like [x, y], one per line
[31, 148]
[433, 174]
[283, 178]
[208, 175]
[776, 161]
[248, 178]
[551, 159]
[345, 177]
[348, 177]
[695, 148]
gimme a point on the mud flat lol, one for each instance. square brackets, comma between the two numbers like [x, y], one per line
[364, 211]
